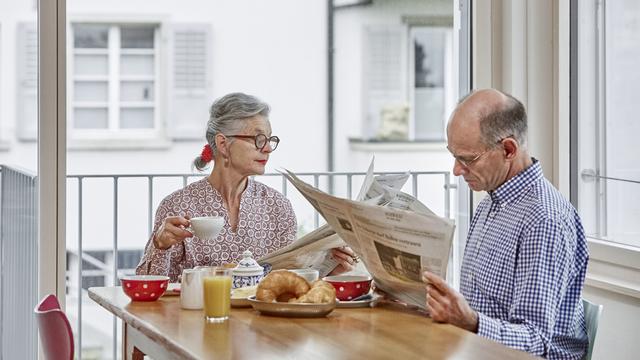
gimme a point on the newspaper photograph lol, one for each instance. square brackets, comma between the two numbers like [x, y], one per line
[395, 235]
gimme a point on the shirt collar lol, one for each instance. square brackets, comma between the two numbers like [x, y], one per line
[515, 186]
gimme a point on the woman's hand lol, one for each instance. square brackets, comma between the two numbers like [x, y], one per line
[171, 231]
[346, 259]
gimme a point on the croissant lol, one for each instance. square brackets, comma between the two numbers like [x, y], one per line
[281, 285]
[321, 293]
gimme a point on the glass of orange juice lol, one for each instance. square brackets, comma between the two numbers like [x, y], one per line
[216, 289]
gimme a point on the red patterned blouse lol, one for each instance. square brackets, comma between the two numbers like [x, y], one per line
[266, 222]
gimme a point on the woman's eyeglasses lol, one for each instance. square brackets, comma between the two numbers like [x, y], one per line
[260, 140]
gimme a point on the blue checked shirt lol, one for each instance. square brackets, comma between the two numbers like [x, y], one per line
[524, 266]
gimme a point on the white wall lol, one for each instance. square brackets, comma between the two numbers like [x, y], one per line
[274, 49]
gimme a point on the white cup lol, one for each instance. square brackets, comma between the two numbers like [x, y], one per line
[206, 227]
[310, 275]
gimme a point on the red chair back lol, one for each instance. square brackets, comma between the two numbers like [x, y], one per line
[55, 331]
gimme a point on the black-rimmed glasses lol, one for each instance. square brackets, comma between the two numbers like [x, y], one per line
[260, 140]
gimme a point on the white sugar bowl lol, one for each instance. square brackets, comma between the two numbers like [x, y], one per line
[248, 272]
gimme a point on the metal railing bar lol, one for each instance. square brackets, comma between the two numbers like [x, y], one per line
[324, 173]
[79, 328]
[447, 197]
[115, 261]
[284, 186]
[414, 185]
[101, 272]
[590, 175]
[150, 210]
[316, 216]
[93, 261]
[349, 185]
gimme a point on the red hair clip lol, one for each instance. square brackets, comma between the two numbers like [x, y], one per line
[207, 153]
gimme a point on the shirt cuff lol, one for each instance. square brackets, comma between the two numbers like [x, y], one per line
[488, 327]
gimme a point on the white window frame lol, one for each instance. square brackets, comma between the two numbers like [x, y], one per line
[613, 266]
[114, 136]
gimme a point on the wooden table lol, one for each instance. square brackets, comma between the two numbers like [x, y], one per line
[162, 330]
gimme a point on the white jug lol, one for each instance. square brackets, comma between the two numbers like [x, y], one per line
[191, 289]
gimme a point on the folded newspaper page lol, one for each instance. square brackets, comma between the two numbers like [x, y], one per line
[312, 250]
[396, 242]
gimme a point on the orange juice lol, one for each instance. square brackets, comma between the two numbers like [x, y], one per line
[217, 297]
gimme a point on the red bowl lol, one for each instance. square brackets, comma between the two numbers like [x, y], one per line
[349, 287]
[144, 287]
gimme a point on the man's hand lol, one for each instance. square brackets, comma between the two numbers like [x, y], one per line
[171, 231]
[346, 259]
[447, 305]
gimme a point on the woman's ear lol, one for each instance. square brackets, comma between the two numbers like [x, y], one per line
[222, 145]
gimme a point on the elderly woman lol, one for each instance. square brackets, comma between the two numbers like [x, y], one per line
[257, 217]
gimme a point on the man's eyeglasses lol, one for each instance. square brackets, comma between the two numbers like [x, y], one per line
[466, 162]
[260, 140]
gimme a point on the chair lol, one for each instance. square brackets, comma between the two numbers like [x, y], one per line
[55, 331]
[592, 314]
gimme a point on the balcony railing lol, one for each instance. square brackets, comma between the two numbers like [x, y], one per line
[110, 217]
[18, 263]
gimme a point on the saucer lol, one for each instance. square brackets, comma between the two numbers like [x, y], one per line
[364, 302]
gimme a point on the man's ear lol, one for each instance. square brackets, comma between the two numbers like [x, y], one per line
[511, 148]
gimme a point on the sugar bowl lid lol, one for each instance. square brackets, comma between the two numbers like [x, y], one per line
[247, 266]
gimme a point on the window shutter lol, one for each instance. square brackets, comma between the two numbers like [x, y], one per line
[385, 75]
[189, 81]
[27, 74]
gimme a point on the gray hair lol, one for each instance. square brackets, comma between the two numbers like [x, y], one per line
[508, 119]
[228, 115]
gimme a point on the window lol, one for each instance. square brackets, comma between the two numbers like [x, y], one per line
[408, 79]
[114, 73]
[431, 68]
[608, 83]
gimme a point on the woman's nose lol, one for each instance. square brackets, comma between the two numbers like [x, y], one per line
[267, 148]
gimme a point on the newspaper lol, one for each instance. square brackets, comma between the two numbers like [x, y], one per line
[312, 250]
[396, 241]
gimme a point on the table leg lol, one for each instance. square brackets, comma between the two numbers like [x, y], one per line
[130, 351]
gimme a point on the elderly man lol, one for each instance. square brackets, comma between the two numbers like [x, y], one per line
[526, 256]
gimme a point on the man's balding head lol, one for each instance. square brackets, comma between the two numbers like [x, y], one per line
[495, 114]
